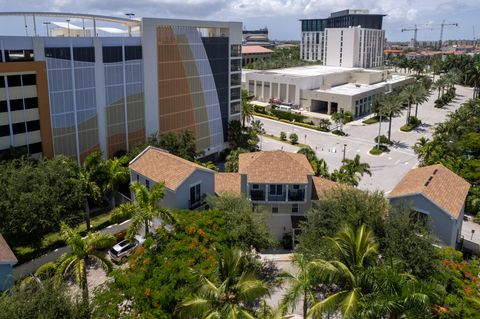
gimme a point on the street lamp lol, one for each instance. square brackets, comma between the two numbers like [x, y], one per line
[47, 23]
[379, 127]
[293, 125]
[344, 150]
[68, 26]
[473, 232]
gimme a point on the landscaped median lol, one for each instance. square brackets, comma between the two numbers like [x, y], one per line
[379, 149]
[413, 123]
[297, 123]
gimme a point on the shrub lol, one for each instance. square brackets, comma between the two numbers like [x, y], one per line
[407, 128]
[371, 120]
[283, 136]
[260, 109]
[378, 150]
[347, 117]
[383, 140]
[338, 132]
[287, 241]
[266, 116]
[293, 138]
[288, 115]
[414, 121]
[324, 125]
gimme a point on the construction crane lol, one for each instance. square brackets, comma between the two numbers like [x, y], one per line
[442, 25]
[415, 32]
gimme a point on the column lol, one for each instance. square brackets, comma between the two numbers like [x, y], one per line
[329, 108]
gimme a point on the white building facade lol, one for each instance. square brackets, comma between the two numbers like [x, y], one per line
[349, 38]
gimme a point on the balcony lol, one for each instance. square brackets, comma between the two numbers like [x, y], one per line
[277, 197]
[296, 195]
[257, 195]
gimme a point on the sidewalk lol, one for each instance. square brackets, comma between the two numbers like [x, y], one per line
[31, 266]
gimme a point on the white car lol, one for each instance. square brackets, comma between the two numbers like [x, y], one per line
[123, 249]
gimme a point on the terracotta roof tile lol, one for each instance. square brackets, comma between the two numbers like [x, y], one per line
[159, 165]
[275, 167]
[227, 183]
[321, 185]
[437, 183]
[6, 254]
[255, 49]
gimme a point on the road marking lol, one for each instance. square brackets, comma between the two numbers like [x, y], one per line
[125, 222]
[406, 163]
[389, 158]
[398, 161]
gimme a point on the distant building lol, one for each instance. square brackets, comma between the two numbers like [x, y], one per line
[7, 260]
[438, 196]
[257, 37]
[323, 89]
[252, 53]
[348, 38]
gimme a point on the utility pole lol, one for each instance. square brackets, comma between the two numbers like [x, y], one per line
[344, 151]
[68, 27]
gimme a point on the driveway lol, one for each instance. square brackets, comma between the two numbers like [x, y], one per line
[388, 168]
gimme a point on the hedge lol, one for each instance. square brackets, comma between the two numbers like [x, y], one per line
[260, 109]
[371, 120]
[288, 115]
[266, 116]
[378, 150]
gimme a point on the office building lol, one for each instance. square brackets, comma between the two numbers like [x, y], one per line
[348, 38]
[323, 89]
[257, 37]
[77, 92]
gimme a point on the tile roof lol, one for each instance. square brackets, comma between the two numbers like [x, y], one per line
[275, 167]
[255, 49]
[6, 254]
[320, 185]
[438, 184]
[227, 183]
[159, 165]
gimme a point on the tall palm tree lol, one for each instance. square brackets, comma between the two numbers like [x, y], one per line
[321, 168]
[247, 107]
[231, 161]
[440, 85]
[229, 294]
[117, 173]
[420, 96]
[147, 207]
[302, 285]
[309, 153]
[391, 107]
[83, 250]
[408, 93]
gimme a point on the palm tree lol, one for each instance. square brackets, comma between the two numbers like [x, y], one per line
[420, 96]
[302, 285]
[117, 174]
[408, 93]
[354, 251]
[82, 251]
[353, 167]
[440, 85]
[147, 207]
[247, 107]
[321, 168]
[338, 119]
[229, 294]
[309, 153]
[231, 161]
[391, 106]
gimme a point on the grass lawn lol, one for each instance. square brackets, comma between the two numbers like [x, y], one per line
[378, 150]
[371, 120]
[273, 137]
[54, 240]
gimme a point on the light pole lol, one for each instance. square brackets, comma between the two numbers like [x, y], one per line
[344, 151]
[68, 27]
[473, 232]
[46, 25]
[293, 125]
[379, 127]
[130, 15]
[305, 138]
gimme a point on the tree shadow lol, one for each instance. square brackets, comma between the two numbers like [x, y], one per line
[400, 144]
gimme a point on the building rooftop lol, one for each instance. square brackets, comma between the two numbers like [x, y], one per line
[321, 185]
[255, 49]
[6, 254]
[352, 88]
[228, 183]
[275, 167]
[437, 183]
[306, 71]
[160, 166]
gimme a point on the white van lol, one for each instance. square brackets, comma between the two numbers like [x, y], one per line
[284, 108]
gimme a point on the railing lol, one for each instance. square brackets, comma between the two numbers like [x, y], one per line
[276, 198]
[296, 195]
[257, 195]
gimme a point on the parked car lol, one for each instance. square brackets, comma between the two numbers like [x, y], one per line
[123, 249]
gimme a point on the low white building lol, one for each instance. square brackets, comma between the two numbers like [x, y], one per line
[323, 89]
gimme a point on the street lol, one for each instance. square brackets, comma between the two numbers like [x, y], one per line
[388, 168]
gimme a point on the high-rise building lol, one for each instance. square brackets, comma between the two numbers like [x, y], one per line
[75, 93]
[348, 38]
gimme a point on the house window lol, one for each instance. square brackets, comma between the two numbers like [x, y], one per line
[147, 183]
[195, 193]
[274, 209]
[276, 189]
[138, 177]
[296, 186]
[294, 208]
[255, 186]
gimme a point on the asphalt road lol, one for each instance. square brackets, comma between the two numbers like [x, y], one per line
[388, 168]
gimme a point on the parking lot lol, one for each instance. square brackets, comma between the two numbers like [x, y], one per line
[388, 168]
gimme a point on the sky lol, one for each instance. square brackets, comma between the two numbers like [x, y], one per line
[280, 16]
